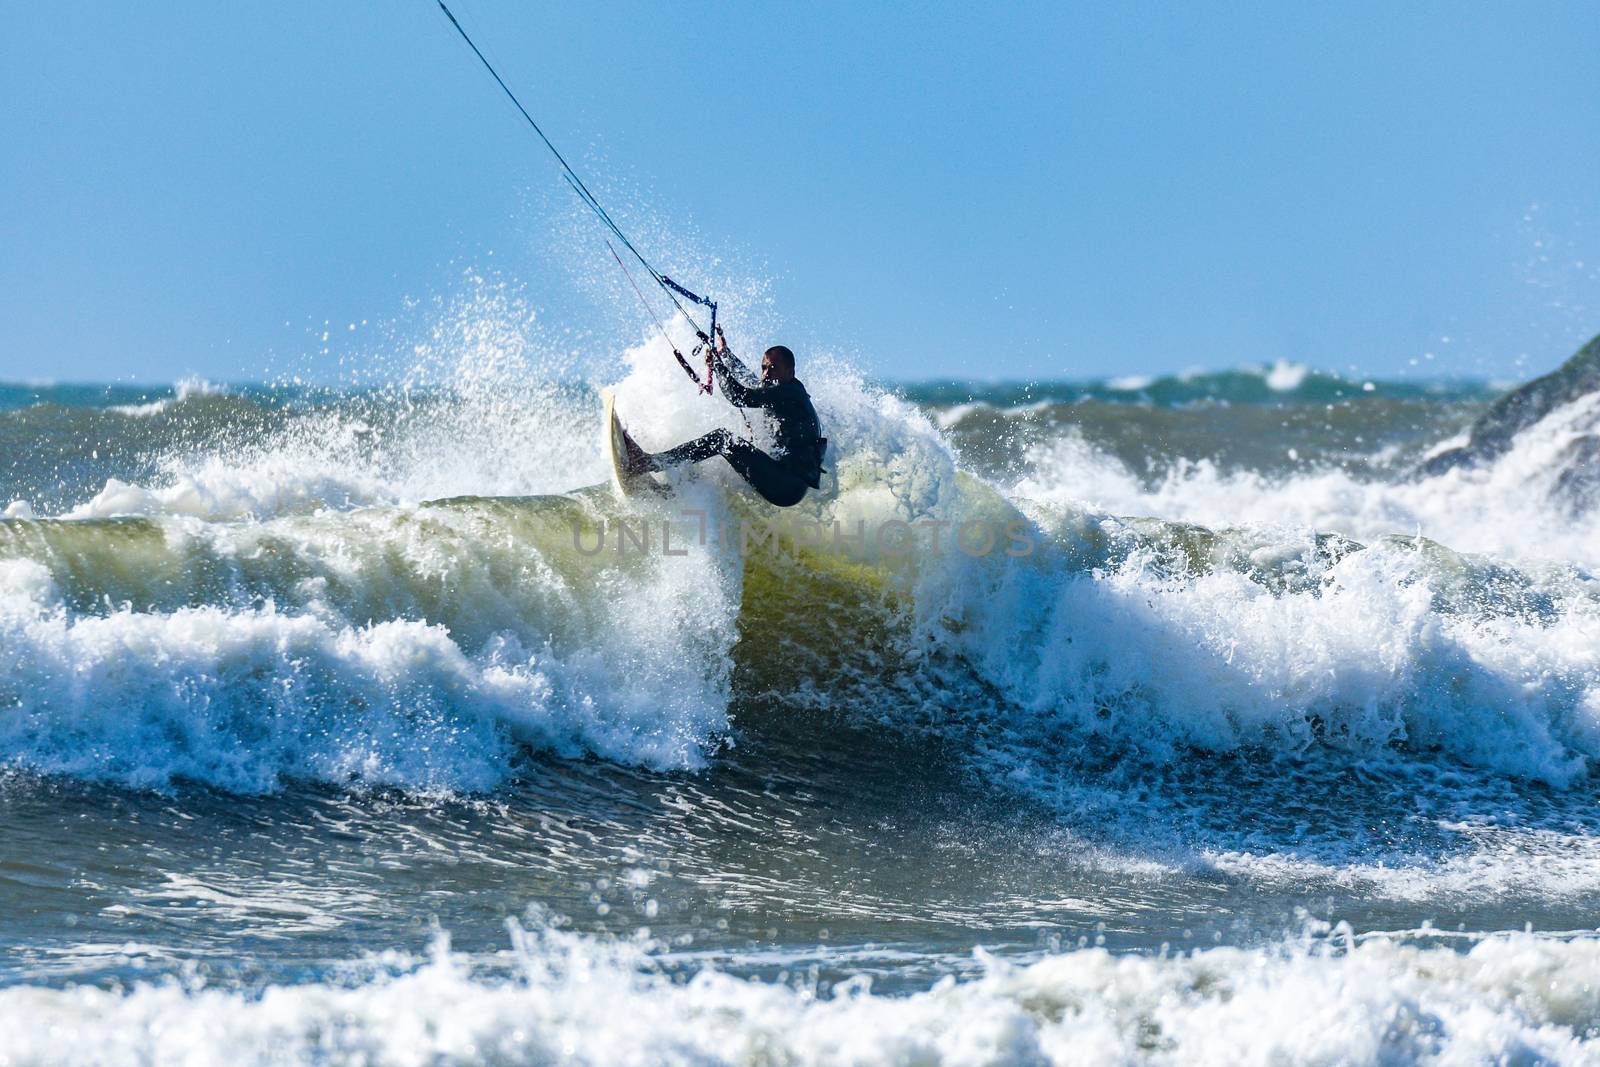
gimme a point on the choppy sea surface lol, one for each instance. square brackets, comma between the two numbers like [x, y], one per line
[1152, 720]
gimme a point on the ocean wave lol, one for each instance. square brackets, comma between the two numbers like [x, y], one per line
[1280, 383]
[1511, 508]
[184, 389]
[358, 451]
[1163, 639]
[377, 648]
[1328, 997]
[483, 619]
[1286, 377]
[305, 573]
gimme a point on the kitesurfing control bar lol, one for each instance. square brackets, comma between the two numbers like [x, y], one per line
[698, 299]
[682, 362]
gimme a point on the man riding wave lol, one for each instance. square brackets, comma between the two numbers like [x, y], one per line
[795, 463]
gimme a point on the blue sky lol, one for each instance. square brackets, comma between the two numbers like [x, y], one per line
[1020, 191]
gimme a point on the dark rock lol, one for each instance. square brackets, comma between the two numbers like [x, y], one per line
[1578, 487]
[1496, 428]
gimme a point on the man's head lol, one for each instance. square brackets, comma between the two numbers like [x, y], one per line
[777, 365]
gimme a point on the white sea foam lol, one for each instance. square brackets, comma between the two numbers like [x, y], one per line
[183, 390]
[1264, 640]
[1495, 865]
[1516, 998]
[1286, 377]
[1361, 656]
[363, 675]
[1505, 508]
[952, 415]
[140, 411]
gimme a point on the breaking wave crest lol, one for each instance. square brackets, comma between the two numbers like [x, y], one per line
[425, 645]
[305, 591]
[1323, 999]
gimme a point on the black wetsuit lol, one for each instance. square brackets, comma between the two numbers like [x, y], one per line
[795, 464]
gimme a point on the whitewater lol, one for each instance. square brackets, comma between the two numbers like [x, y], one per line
[1182, 720]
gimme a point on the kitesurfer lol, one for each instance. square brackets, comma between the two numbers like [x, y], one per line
[795, 463]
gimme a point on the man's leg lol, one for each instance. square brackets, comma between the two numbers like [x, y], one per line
[775, 482]
[715, 443]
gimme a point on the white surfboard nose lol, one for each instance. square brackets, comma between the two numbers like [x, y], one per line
[614, 442]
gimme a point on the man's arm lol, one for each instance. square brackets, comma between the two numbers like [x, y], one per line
[738, 392]
[735, 367]
[741, 387]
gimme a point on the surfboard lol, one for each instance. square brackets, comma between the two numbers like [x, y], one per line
[614, 443]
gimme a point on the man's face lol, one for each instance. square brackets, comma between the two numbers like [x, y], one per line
[773, 370]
